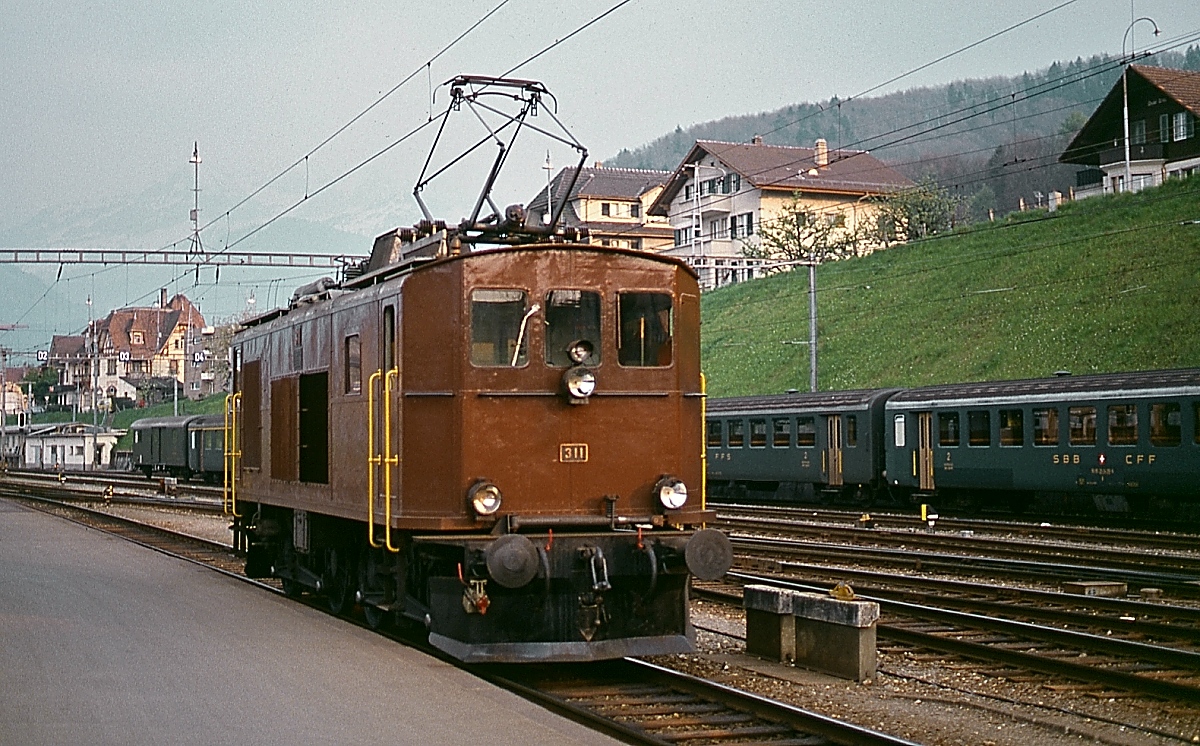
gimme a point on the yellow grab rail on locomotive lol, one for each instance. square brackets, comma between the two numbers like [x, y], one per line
[389, 459]
[386, 459]
[233, 454]
[372, 459]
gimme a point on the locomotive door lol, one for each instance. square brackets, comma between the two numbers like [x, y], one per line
[834, 450]
[925, 450]
[383, 433]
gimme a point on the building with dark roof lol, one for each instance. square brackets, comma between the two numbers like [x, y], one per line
[69, 356]
[719, 196]
[1163, 106]
[611, 203]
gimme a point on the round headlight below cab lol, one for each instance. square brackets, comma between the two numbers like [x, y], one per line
[484, 498]
[580, 383]
[672, 493]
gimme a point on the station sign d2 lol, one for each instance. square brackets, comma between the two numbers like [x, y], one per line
[43, 356]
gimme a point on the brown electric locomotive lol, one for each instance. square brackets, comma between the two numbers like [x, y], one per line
[502, 444]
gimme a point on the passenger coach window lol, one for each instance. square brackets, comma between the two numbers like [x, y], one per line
[644, 333]
[980, 428]
[499, 328]
[737, 434]
[898, 430]
[1122, 425]
[851, 430]
[714, 433]
[1012, 427]
[353, 364]
[758, 433]
[1045, 427]
[806, 432]
[1166, 425]
[572, 316]
[1082, 422]
[783, 432]
[948, 432]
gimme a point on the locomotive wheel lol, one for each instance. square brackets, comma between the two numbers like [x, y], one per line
[337, 582]
[291, 588]
[376, 617]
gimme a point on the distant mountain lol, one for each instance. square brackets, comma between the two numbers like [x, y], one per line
[992, 141]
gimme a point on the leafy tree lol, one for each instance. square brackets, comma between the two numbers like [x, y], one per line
[922, 211]
[40, 381]
[800, 235]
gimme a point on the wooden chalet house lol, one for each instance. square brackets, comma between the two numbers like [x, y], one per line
[611, 203]
[1163, 106]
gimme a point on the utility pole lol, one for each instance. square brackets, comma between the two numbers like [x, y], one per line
[812, 325]
[93, 381]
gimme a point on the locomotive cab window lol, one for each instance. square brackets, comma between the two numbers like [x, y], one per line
[1166, 424]
[1082, 425]
[1045, 427]
[353, 364]
[644, 324]
[948, 432]
[714, 433]
[1122, 425]
[499, 328]
[572, 316]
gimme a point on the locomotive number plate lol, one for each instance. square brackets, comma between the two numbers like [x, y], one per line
[573, 453]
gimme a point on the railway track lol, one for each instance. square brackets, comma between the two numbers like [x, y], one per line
[1024, 646]
[633, 700]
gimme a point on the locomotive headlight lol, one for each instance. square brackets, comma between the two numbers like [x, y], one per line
[672, 493]
[580, 383]
[484, 497]
[579, 350]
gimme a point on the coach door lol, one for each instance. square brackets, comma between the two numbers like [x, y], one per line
[833, 452]
[925, 450]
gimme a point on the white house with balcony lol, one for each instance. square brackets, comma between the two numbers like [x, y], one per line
[719, 196]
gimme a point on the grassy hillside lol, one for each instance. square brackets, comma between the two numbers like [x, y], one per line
[1106, 284]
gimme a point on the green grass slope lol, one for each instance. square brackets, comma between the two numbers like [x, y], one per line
[1105, 284]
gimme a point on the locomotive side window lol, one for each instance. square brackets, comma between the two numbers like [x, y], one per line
[1012, 427]
[297, 347]
[1122, 425]
[758, 433]
[1082, 423]
[499, 328]
[783, 432]
[353, 364]
[572, 316]
[1045, 427]
[737, 433]
[979, 424]
[1196, 422]
[948, 432]
[389, 337]
[806, 432]
[851, 430]
[714, 433]
[644, 329]
[1166, 424]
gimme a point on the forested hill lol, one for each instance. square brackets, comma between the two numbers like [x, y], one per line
[991, 141]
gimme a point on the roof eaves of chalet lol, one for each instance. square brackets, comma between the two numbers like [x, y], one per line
[1181, 86]
[599, 182]
[66, 346]
[787, 168]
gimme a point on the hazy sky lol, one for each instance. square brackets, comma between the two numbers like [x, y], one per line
[101, 101]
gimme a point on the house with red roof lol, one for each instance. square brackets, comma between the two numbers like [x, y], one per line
[610, 203]
[1163, 105]
[720, 195]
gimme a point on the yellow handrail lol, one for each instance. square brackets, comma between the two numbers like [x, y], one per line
[372, 459]
[389, 459]
[232, 453]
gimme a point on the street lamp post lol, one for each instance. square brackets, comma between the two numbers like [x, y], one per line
[1125, 96]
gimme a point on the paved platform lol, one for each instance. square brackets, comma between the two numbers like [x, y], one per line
[105, 642]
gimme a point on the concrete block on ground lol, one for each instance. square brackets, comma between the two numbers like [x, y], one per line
[1103, 588]
[770, 629]
[835, 636]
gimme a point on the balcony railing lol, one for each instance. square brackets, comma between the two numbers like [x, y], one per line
[1151, 151]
